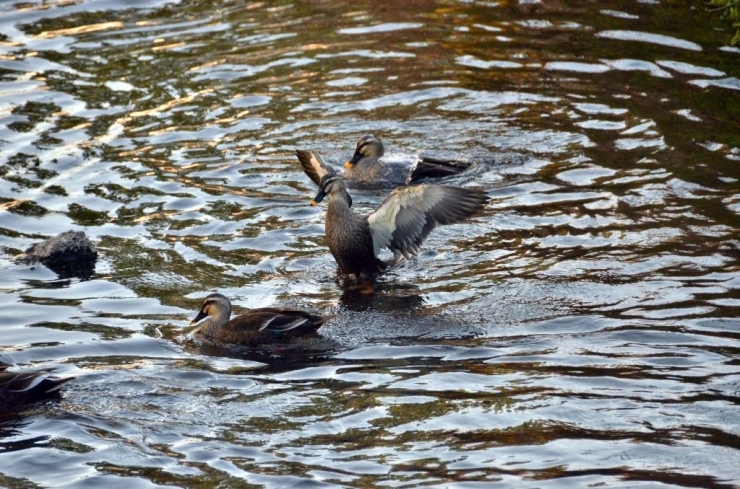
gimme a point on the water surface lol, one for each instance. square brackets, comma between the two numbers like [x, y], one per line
[581, 332]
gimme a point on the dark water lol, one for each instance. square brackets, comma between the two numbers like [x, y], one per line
[582, 332]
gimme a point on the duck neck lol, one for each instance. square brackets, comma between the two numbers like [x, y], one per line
[211, 325]
[367, 168]
[339, 209]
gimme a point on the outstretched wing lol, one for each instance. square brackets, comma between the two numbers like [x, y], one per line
[407, 216]
[313, 165]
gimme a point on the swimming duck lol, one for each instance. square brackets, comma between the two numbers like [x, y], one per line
[401, 222]
[365, 169]
[254, 327]
[21, 388]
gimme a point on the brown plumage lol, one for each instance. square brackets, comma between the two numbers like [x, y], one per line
[20, 388]
[401, 223]
[254, 327]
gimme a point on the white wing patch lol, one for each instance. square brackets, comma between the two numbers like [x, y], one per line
[402, 214]
[409, 214]
[288, 326]
[313, 165]
[383, 222]
[318, 165]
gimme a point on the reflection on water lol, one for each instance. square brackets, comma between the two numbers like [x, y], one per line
[582, 331]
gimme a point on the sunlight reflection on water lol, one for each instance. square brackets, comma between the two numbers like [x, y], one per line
[580, 331]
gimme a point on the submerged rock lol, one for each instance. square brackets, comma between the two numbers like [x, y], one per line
[69, 254]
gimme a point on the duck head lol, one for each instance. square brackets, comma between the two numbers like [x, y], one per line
[216, 306]
[368, 146]
[332, 185]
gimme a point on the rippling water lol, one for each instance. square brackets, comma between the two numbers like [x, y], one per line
[581, 332]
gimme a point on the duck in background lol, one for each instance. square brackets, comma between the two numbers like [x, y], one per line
[366, 169]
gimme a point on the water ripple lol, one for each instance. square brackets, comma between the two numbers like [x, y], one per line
[580, 331]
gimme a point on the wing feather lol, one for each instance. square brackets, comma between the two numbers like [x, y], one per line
[273, 320]
[30, 385]
[407, 216]
[313, 165]
[282, 323]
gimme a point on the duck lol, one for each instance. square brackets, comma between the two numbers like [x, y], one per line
[18, 389]
[401, 222]
[254, 327]
[365, 169]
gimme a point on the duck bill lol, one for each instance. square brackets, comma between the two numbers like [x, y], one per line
[319, 197]
[352, 162]
[197, 318]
